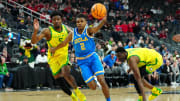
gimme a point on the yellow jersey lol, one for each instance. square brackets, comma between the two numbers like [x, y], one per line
[147, 57]
[56, 39]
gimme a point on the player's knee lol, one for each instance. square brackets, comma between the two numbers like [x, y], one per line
[93, 87]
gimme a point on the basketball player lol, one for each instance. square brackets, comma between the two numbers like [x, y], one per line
[59, 62]
[142, 61]
[87, 59]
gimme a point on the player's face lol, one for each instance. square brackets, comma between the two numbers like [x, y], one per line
[121, 56]
[81, 23]
[57, 21]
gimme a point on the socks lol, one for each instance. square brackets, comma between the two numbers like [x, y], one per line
[64, 87]
[77, 90]
[108, 99]
[72, 95]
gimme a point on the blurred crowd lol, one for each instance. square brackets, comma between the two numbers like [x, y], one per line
[125, 26]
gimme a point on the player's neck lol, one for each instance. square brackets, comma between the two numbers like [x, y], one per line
[58, 29]
[80, 31]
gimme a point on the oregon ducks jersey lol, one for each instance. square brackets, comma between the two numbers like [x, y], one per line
[56, 39]
[146, 56]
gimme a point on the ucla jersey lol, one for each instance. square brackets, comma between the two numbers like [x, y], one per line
[83, 44]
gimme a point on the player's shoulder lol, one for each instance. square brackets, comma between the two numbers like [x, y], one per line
[46, 30]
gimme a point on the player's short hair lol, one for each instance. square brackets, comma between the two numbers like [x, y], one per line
[81, 16]
[55, 13]
[120, 49]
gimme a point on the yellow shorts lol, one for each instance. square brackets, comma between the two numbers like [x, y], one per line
[57, 62]
[155, 64]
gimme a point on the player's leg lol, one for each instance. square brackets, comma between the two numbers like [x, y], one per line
[65, 71]
[87, 75]
[55, 68]
[151, 68]
[104, 86]
[99, 72]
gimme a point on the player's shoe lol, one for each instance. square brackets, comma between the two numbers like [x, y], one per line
[80, 95]
[140, 98]
[155, 92]
[74, 97]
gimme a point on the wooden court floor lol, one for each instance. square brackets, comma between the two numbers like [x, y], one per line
[117, 94]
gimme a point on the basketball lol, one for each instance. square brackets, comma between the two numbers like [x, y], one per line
[98, 11]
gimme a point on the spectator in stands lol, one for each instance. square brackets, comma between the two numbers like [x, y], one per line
[15, 12]
[21, 17]
[111, 40]
[100, 51]
[22, 25]
[111, 14]
[118, 26]
[28, 20]
[167, 73]
[41, 58]
[109, 60]
[124, 27]
[176, 73]
[3, 23]
[136, 30]
[125, 6]
[5, 74]
[129, 45]
[24, 61]
[178, 63]
[159, 11]
[6, 44]
[1, 5]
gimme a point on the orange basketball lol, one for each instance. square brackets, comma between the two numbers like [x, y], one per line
[98, 11]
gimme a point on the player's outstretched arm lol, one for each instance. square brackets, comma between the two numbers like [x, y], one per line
[35, 38]
[95, 29]
[133, 65]
[64, 43]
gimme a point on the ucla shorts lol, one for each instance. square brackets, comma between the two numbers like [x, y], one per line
[90, 67]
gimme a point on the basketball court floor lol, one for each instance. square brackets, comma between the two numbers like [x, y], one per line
[117, 94]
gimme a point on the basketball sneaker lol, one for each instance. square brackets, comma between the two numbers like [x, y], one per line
[80, 95]
[155, 92]
[74, 97]
[140, 98]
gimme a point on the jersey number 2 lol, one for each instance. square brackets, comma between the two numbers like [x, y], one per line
[82, 46]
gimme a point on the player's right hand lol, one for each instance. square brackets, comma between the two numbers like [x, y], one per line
[36, 25]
